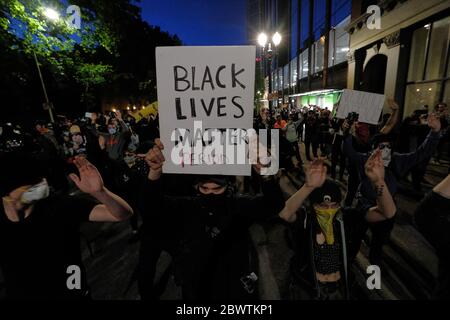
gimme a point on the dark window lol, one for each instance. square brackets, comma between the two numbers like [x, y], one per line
[428, 75]
[340, 9]
[304, 28]
[319, 18]
[294, 28]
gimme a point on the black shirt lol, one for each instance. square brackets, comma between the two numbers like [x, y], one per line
[35, 253]
[209, 244]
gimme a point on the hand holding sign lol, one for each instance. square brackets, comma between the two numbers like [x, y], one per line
[155, 160]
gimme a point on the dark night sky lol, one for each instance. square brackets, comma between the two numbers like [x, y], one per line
[199, 22]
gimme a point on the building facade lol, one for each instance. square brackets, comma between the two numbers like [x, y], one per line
[404, 54]
[399, 48]
[310, 64]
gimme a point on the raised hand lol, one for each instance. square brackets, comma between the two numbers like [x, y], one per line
[90, 180]
[155, 160]
[374, 167]
[102, 142]
[434, 122]
[316, 174]
[392, 104]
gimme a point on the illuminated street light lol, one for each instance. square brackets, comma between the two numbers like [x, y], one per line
[276, 39]
[267, 55]
[262, 39]
[51, 14]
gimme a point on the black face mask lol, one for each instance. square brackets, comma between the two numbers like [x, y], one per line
[213, 202]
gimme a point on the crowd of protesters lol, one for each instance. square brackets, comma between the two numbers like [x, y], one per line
[105, 167]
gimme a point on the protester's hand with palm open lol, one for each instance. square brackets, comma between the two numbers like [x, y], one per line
[89, 179]
[315, 174]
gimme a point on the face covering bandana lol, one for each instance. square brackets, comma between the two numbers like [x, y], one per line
[35, 193]
[325, 219]
[386, 156]
[112, 131]
[215, 202]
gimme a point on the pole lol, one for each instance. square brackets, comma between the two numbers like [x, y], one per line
[270, 84]
[269, 60]
[43, 88]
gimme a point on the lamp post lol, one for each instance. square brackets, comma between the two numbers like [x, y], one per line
[267, 55]
[47, 101]
[53, 15]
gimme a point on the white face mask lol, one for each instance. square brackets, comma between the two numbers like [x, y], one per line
[35, 193]
[386, 155]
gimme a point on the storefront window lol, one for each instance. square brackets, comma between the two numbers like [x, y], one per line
[438, 49]
[280, 79]
[275, 81]
[428, 59]
[447, 93]
[293, 72]
[342, 42]
[331, 52]
[318, 54]
[419, 95]
[286, 76]
[339, 44]
[304, 59]
[418, 52]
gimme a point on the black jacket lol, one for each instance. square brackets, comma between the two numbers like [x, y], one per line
[209, 245]
[347, 227]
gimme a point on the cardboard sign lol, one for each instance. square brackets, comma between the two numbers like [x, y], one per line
[368, 105]
[214, 85]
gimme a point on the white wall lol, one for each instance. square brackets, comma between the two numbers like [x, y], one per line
[403, 15]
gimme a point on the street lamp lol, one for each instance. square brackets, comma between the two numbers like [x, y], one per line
[267, 54]
[262, 39]
[51, 14]
[276, 39]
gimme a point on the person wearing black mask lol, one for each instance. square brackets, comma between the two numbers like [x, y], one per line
[39, 230]
[205, 233]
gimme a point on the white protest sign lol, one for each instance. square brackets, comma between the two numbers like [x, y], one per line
[367, 105]
[209, 88]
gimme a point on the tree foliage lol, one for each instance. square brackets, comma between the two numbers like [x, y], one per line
[113, 47]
